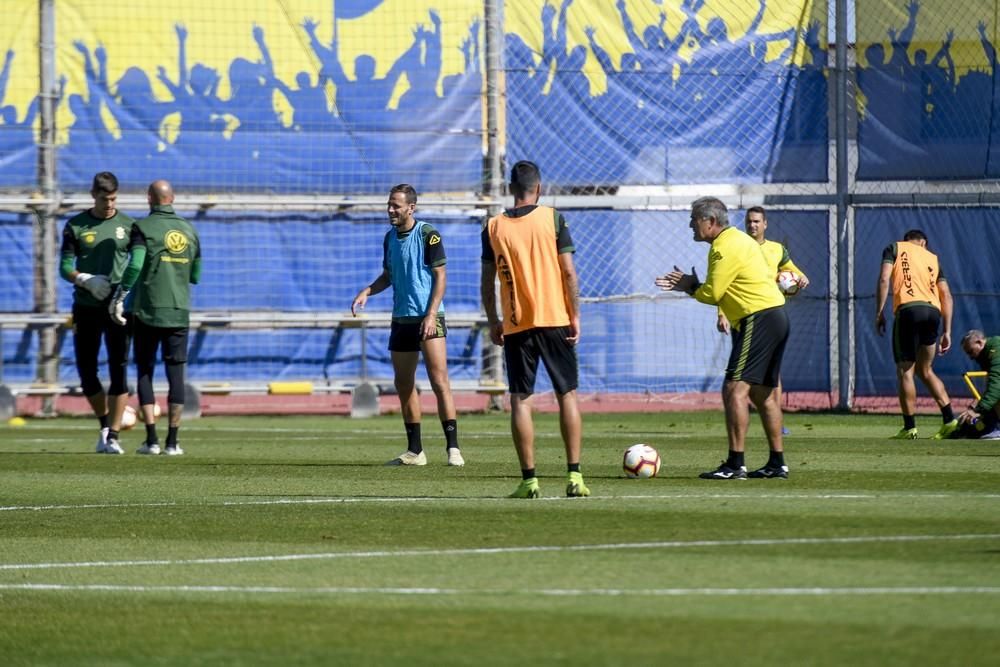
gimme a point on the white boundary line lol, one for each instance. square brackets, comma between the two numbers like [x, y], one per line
[479, 551]
[548, 592]
[591, 499]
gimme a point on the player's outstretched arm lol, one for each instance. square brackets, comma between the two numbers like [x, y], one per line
[378, 285]
[678, 281]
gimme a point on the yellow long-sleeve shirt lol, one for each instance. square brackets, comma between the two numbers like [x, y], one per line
[778, 258]
[740, 281]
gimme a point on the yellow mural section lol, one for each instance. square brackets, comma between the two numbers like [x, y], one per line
[144, 35]
[19, 44]
[523, 17]
[935, 19]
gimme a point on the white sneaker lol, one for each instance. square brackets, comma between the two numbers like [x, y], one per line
[112, 446]
[102, 441]
[408, 458]
[153, 449]
[173, 451]
[455, 457]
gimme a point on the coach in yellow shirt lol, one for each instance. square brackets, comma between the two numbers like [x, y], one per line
[741, 283]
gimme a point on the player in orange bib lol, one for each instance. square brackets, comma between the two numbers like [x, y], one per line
[921, 305]
[529, 248]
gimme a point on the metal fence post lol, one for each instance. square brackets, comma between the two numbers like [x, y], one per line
[45, 230]
[493, 167]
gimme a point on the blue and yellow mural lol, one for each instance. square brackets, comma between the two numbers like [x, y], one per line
[351, 95]
[927, 80]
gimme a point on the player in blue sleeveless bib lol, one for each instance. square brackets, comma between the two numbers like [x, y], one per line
[413, 264]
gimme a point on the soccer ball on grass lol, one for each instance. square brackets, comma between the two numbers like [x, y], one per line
[129, 418]
[641, 461]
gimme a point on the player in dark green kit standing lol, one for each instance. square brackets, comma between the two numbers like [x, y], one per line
[93, 256]
[165, 261]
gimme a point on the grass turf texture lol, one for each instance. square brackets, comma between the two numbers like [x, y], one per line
[312, 552]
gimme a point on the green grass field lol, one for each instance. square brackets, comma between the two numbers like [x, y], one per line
[284, 540]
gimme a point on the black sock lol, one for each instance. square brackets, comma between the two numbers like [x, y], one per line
[572, 467]
[946, 414]
[413, 443]
[104, 421]
[909, 421]
[151, 437]
[112, 434]
[527, 473]
[172, 436]
[776, 459]
[735, 459]
[450, 427]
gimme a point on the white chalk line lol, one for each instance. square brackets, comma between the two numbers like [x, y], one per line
[547, 592]
[480, 551]
[592, 499]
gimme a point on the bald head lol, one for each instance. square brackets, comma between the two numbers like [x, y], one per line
[160, 192]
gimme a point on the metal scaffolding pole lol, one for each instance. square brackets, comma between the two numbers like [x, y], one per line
[845, 323]
[45, 230]
[493, 167]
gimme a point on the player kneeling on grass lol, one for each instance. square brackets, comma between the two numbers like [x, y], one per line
[741, 283]
[986, 411]
[413, 264]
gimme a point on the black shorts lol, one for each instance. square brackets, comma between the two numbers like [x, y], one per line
[758, 346]
[147, 340]
[89, 325]
[914, 326]
[522, 351]
[405, 336]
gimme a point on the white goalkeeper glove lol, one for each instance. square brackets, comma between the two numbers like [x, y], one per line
[117, 306]
[98, 286]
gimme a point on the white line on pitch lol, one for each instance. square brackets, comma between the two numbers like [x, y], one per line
[550, 592]
[478, 551]
[592, 499]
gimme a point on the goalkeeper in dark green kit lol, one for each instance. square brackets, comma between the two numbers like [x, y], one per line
[156, 291]
[93, 256]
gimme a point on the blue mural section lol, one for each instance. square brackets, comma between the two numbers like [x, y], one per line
[634, 339]
[684, 103]
[960, 238]
[923, 117]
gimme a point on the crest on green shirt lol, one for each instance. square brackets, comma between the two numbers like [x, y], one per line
[175, 241]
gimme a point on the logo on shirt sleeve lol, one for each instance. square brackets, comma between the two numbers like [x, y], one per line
[434, 239]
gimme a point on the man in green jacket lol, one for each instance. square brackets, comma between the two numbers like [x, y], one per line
[165, 261]
[985, 352]
[93, 256]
